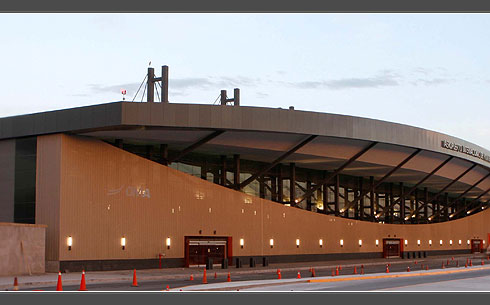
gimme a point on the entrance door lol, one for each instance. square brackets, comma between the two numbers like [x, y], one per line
[391, 248]
[200, 249]
[476, 245]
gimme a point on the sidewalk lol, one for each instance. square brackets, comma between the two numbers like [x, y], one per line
[73, 278]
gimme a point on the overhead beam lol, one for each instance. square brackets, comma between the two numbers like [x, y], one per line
[480, 205]
[446, 187]
[337, 171]
[196, 145]
[416, 185]
[277, 161]
[364, 193]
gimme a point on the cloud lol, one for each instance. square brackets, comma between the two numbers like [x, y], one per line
[261, 95]
[387, 78]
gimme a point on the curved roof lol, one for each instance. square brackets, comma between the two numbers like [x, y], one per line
[263, 134]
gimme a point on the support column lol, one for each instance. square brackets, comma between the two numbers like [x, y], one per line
[402, 203]
[273, 188]
[261, 186]
[426, 203]
[223, 171]
[371, 196]
[164, 84]
[446, 206]
[292, 184]
[417, 214]
[164, 153]
[236, 174]
[325, 194]
[391, 216]
[150, 83]
[337, 195]
[361, 201]
[280, 187]
[308, 199]
[346, 198]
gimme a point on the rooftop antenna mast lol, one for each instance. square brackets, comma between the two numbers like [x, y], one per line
[235, 100]
[150, 96]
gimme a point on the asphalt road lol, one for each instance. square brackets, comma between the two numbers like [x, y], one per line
[364, 285]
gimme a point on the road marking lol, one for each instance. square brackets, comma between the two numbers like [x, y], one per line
[392, 275]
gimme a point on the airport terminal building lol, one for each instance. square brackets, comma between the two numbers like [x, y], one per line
[119, 185]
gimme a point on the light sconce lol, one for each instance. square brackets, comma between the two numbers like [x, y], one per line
[297, 243]
[440, 242]
[459, 242]
[69, 242]
[123, 243]
[377, 242]
[168, 242]
[430, 242]
[360, 242]
[242, 242]
[418, 242]
[406, 242]
[271, 242]
[450, 242]
[341, 242]
[468, 242]
[321, 243]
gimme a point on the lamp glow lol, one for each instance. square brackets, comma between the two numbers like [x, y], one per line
[320, 242]
[377, 242]
[297, 243]
[69, 242]
[123, 242]
[341, 242]
[468, 242]
[459, 242]
[418, 242]
[430, 242]
[440, 242]
[360, 242]
[168, 242]
[406, 242]
[271, 242]
[451, 242]
[242, 243]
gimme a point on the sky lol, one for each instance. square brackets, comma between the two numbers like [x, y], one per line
[426, 70]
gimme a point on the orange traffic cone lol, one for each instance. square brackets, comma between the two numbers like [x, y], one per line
[59, 286]
[355, 270]
[279, 275]
[215, 275]
[228, 279]
[471, 263]
[135, 281]
[191, 278]
[426, 267]
[278, 271]
[204, 279]
[298, 276]
[16, 284]
[387, 269]
[83, 287]
[337, 271]
[168, 288]
[313, 272]
[333, 272]
[408, 269]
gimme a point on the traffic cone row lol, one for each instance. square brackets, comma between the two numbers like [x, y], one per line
[135, 281]
[59, 286]
[204, 278]
[83, 286]
[16, 284]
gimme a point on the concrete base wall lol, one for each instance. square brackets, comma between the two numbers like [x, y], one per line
[22, 249]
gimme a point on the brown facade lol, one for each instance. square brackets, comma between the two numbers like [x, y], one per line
[97, 194]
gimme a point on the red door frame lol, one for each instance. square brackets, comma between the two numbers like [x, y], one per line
[400, 245]
[229, 246]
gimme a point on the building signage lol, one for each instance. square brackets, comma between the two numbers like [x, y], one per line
[465, 149]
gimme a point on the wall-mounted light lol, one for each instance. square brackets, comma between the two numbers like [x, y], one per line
[440, 242]
[297, 243]
[320, 242]
[242, 242]
[271, 242]
[377, 242]
[459, 242]
[168, 242]
[418, 242]
[450, 242]
[341, 242]
[406, 242]
[360, 242]
[468, 242]
[430, 242]
[69, 242]
[123, 243]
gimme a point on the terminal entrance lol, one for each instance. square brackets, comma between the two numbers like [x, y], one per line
[199, 249]
[476, 246]
[391, 248]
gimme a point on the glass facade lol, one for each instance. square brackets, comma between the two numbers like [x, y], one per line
[25, 180]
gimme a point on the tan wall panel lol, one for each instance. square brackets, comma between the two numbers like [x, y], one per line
[48, 162]
[98, 206]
